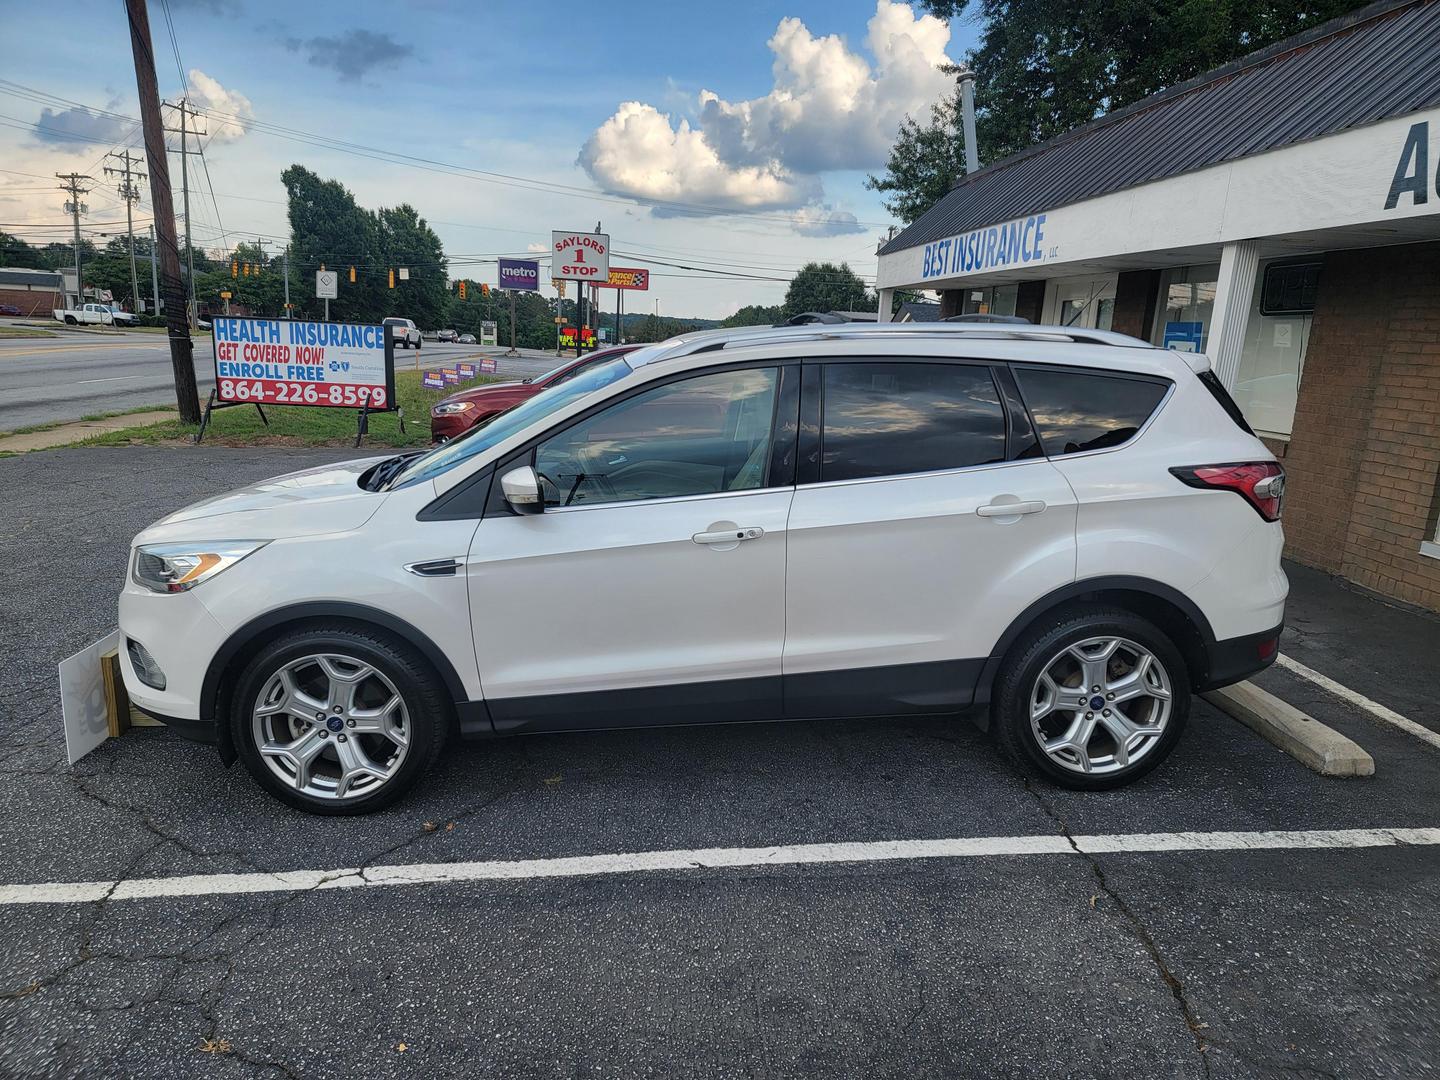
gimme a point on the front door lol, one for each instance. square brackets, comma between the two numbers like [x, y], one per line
[1084, 303]
[651, 590]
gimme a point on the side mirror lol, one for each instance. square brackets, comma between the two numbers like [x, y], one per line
[521, 488]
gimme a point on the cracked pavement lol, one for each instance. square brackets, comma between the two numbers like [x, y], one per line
[1185, 964]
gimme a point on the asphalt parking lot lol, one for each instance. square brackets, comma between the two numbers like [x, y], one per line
[1063, 962]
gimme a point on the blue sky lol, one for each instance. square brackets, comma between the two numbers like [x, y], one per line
[593, 106]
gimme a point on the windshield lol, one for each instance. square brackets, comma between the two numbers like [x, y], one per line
[479, 439]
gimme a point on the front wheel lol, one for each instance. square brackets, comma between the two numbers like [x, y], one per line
[338, 720]
[1092, 698]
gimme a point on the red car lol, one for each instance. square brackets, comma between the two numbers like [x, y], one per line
[462, 410]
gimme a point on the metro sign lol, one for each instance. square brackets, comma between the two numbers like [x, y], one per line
[580, 256]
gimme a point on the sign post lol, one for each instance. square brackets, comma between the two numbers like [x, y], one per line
[290, 362]
[327, 285]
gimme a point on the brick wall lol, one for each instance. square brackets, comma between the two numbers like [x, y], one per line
[1363, 462]
[40, 302]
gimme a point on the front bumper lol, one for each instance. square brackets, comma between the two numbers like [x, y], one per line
[181, 634]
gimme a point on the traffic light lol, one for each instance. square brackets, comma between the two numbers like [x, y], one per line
[462, 288]
[247, 270]
[352, 275]
[392, 279]
[234, 268]
[484, 290]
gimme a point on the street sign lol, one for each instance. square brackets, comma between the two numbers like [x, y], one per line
[404, 273]
[290, 362]
[327, 285]
[519, 274]
[224, 296]
[627, 277]
[488, 333]
[580, 256]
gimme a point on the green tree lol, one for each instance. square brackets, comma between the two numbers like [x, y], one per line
[16, 252]
[1043, 68]
[328, 228]
[826, 287]
[754, 315]
[407, 241]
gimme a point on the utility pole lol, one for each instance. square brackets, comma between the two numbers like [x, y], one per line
[182, 354]
[287, 281]
[74, 184]
[186, 113]
[131, 194]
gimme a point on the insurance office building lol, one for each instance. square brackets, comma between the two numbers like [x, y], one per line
[1282, 215]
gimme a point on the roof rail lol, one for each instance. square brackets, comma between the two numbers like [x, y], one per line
[742, 336]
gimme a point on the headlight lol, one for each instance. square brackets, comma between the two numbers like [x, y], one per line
[450, 407]
[172, 568]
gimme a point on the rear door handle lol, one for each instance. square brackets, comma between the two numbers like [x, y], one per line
[729, 536]
[998, 509]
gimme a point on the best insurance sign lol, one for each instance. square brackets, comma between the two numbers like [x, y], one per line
[288, 362]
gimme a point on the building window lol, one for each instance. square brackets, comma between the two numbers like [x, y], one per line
[1187, 305]
[1276, 336]
[994, 300]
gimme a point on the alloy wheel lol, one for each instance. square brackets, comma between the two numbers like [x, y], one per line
[1100, 705]
[331, 726]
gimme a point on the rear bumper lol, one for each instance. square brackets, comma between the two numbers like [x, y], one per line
[1233, 659]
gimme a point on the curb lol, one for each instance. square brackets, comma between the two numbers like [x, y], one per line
[1304, 738]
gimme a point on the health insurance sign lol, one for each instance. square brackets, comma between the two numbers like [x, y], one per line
[290, 362]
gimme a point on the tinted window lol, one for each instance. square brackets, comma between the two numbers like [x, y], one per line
[1077, 411]
[892, 419]
[696, 437]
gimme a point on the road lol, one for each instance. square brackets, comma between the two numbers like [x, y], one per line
[1023, 957]
[43, 380]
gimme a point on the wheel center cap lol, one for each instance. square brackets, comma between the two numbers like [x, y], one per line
[335, 724]
[1096, 702]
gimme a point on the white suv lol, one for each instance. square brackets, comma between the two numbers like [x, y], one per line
[405, 332]
[1071, 527]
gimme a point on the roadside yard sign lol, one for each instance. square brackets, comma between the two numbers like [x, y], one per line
[327, 285]
[433, 380]
[489, 365]
[450, 375]
[82, 698]
[580, 256]
[467, 371]
[522, 274]
[294, 362]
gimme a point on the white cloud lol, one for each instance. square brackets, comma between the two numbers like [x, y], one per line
[830, 108]
[207, 94]
[537, 249]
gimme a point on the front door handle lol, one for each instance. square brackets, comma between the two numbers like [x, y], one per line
[729, 536]
[999, 509]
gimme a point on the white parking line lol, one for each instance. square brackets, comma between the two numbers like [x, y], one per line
[80, 892]
[1374, 708]
[116, 378]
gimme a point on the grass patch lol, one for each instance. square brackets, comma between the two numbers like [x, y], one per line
[299, 426]
[23, 331]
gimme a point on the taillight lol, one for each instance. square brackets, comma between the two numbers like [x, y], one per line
[1262, 483]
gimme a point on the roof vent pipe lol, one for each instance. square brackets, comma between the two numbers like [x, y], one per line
[966, 78]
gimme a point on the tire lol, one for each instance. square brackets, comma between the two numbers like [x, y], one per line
[70, 320]
[348, 769]
[1093, 746]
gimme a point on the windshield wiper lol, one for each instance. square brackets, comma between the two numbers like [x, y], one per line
[386, 471]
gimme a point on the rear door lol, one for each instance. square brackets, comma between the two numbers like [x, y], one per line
[923, 523]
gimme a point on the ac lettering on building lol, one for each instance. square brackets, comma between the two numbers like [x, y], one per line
[1412, 173]
[1014, 243]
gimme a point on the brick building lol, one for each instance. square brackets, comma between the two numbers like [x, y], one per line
[1281, 214]
[33, 292]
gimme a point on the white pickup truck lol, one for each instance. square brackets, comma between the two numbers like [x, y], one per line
[98, 314]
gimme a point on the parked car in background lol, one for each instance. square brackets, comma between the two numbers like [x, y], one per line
[86, 314]
[11, 309]
[467, 339]
[461, 411]
[1070, 527]
[446, 335]
[405, 332]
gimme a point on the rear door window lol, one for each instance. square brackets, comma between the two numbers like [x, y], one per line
[1076, 411]
[893, 419]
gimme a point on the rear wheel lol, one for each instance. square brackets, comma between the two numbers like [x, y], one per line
[338, 720]
[1092, 698]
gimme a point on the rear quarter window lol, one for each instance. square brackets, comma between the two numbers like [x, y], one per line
[1076, 411]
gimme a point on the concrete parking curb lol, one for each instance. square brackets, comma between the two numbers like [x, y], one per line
[1304, 738]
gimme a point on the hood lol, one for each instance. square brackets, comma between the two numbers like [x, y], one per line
[488, 390]
[325, 499]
